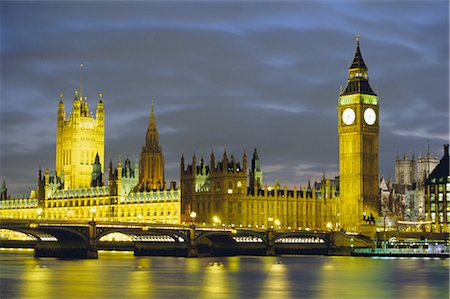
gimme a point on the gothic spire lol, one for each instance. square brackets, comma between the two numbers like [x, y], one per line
[152, 114]
[358, 61]
[358, 80]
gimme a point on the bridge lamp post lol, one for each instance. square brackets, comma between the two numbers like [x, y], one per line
[39, 213]
[92, 211]
[270, 222]
[216, 221]
[329, 226]
[193, 215]
[277, 223]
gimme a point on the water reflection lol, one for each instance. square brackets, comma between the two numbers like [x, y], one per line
[276, 284]
[140, 279]
[215, 282]
[35, 280]
[121, 275]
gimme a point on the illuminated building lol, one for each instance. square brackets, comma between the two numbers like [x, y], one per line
[79, 139]
[77, 190]
[358, 124]
[437, 195]
[223, 193]
[151, 175]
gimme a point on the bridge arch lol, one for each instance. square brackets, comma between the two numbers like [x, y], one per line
[149, 235]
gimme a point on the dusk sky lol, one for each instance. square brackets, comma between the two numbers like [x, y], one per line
[234, 75]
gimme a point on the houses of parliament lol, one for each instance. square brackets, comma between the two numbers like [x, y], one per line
[222, 191]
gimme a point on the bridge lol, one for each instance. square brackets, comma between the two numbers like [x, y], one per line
[64, 239]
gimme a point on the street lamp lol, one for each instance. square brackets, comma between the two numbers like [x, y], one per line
[277, 223]
[193, 215]
[216, 220]
[270, 221]
[92, 211]
[39, 213]
[330, 226]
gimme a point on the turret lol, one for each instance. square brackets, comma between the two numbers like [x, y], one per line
[119, 177]
[100, 114]
[244, 162]
[212, 161]
[194, 164]
[255, 173]
[84, 107]
[76, 108]
[225, 161]
[3, 191]
[182, 164]
[97, 175]
[61, 111]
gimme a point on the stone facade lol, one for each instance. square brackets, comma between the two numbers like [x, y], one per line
[79, 139]
[227, 193]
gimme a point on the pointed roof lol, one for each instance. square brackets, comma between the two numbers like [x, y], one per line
[152, 114]
[358, 61]
[358, 81]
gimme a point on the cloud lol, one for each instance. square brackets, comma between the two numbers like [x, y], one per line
[235, 75]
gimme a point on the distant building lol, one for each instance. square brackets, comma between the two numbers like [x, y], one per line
[227, 192]
[393, 200]
[410, 177]
[409, 171]
[437, 195]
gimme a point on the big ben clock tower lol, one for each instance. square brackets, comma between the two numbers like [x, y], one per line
[358, 125]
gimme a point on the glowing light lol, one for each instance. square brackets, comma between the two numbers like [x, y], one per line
[115, 237]
[6, 234]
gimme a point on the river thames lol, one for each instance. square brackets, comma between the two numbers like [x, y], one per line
[121, 275]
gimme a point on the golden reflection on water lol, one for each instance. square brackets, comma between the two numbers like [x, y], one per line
[356, 277]
[121, 275]
[35, 280]
[276, 283]
[215, 281]
[140, 280]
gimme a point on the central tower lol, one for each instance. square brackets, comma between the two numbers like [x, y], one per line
[80, 141]
[151, 171]
[358, 125]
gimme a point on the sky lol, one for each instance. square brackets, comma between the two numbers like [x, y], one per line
[236, 75]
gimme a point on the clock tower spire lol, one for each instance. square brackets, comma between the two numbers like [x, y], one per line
[358, 127]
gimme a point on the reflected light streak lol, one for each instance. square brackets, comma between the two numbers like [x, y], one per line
[215, 282]
[35, 281]
[275, 284]
[141, 280]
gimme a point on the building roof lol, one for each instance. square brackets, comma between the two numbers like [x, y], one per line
[359, 85]
[358, 61]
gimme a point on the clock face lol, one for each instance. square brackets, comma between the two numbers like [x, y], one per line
[370, 116]
[348, 116]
